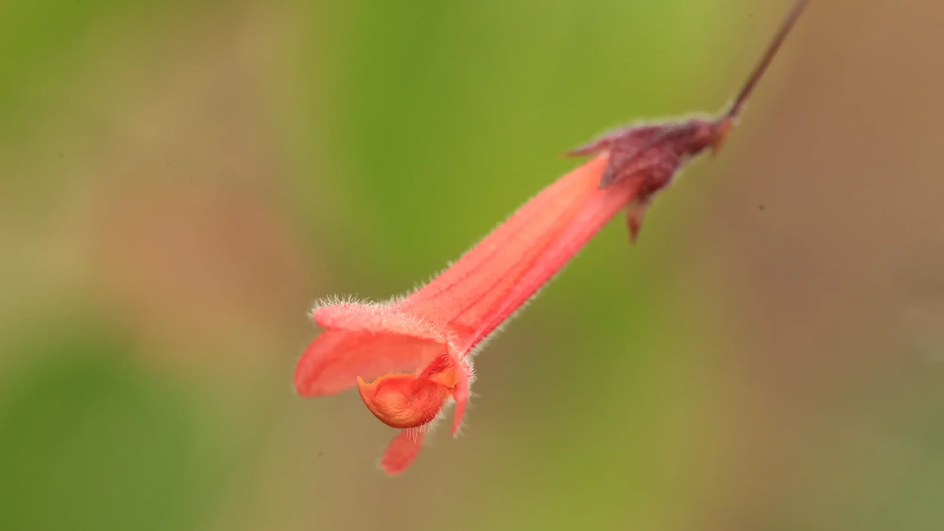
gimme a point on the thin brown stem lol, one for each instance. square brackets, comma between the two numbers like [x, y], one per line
[765, 61]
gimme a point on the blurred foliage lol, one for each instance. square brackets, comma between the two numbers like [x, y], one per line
[90, 440]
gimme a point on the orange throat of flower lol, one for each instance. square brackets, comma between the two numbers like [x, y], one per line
[407, 400]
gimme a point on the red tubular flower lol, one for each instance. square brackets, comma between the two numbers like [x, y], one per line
[410, 357]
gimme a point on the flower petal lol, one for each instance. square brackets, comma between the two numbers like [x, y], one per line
[336, 358]
[402, 450]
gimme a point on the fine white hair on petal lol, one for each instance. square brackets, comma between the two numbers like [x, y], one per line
[446, 336]
[339, 300]
[472, 373]
[415, 432]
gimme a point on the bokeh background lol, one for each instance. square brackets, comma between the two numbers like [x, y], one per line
[180, 180]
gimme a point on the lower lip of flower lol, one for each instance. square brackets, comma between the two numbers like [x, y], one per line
[407, 400]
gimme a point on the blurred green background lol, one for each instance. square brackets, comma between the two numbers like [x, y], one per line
[180, 180]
